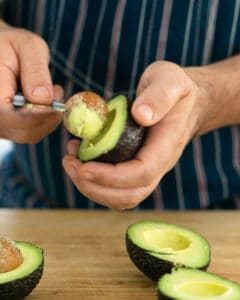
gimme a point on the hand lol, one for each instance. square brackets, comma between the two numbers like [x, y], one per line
[175, 104]
[24, 57]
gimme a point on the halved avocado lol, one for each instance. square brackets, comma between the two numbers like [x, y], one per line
[19, 282]
[120, 138]
[189, 284]
[156, 247]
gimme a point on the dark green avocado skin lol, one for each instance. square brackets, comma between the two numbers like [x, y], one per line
[161, 297]
[19, 289]
[128, 145]
[151, 266]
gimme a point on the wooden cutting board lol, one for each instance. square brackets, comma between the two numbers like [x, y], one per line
[85, 254]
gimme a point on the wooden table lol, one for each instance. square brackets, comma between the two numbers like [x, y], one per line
[85, 254]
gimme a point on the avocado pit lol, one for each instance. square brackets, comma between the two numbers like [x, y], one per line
[107, 130]
[86, 114]
[21, 268]
[10, 255]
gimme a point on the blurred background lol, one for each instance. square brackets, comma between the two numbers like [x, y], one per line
[5, 146]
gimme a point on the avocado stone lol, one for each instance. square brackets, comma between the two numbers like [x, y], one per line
[120, 138]
[156, 247]
[19, 283]
[190, 284]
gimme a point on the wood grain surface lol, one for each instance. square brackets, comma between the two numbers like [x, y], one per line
[85, 254]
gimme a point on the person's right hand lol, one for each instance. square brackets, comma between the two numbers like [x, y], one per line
[24, 59]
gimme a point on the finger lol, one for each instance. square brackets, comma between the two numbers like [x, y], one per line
[131, 174]
[73, 146]
[29, 118]
[36, 134]
[171, 136]
[34, 72]
[110, 197]
[25, 118]
[58, 93]
[162, 147]
[164, 87]
[8, 69]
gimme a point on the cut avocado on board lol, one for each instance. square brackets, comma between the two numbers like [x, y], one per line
[156, 247]
[18, 282]
[190, 284]
[107, 130]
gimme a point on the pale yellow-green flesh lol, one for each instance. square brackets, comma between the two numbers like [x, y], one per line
[110, 134]
[32, 259]
[176, 244]
[79, 121]
[186, 284]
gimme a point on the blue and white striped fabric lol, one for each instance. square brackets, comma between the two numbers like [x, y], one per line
[104, 46]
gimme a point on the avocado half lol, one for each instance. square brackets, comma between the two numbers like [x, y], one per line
[120, 138]
[19, 282]
[189, 284]
[156, 248]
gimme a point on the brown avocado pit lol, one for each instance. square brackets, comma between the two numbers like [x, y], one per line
[82, 111]
[21, 268]
[10, 255]
[118, 140]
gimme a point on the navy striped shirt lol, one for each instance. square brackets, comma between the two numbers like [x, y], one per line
[104, 46]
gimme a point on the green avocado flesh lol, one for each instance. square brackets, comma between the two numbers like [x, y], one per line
[19, 282]
[189, 284]
[110, 134]
[156, 247]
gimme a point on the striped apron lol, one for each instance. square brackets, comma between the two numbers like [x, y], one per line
[104, 46]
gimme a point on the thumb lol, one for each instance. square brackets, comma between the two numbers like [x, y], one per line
[35, 76]
[156, 101]
[150, 107]
[161, 86]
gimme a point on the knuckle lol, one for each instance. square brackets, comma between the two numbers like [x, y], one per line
[166, 97]
[147, 176]
[119, 204]
[34, 140]
[36, 43]
[116, 206]
[174, 91]
[21, 138]
[34, 39]
[184, 138]
[36, 70]
[25, 137]
[133, 200]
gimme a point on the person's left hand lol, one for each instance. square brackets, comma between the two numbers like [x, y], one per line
[174, 108]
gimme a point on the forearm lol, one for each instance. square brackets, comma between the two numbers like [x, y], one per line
[220, 83]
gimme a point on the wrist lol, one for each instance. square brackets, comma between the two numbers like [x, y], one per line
[218, 94]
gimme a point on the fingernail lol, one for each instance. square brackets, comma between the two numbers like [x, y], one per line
[87, 176]
[41, 91]
[145, 111]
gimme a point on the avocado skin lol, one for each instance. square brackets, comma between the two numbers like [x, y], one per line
[161, 297]
[151, 266]
[20, 288]
[129, 143]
